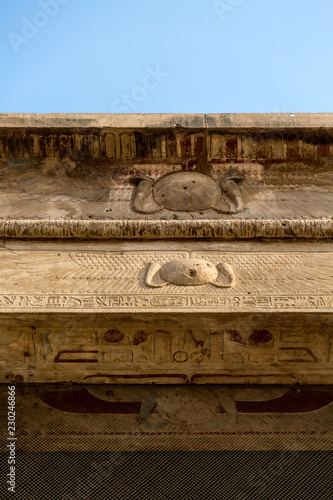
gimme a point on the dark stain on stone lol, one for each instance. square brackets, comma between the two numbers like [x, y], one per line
[186, 146]
[292, 146]
[141, 146]
[198, 343]
[155, 143]
[140, 337]
[232, 144]
[235, 336]
[323, 146]
[310, 139]
[113, 336]
[264, 147]
[171, 144]
[199, 145]
[191, 164]
[260, 337]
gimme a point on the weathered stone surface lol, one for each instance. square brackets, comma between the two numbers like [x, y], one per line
[195, 312]
[82, 166]
[165, 120]
[166, 229]
[226, 274]
[142, 348]
[269, 120]
[167, 277]
[104, 120]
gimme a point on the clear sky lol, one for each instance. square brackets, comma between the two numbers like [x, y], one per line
[169, 56]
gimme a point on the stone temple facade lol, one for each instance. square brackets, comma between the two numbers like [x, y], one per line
[168, 275]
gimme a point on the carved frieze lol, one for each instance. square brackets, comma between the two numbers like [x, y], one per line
[205, 306]
[64, 169]
[166, 280]
[160, 144]
[167, 349]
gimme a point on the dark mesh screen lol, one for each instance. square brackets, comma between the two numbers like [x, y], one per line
[234, 475]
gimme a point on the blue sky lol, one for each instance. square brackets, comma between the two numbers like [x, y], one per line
[168, 56]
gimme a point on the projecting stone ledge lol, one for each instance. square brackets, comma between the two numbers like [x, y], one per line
[168, 120]
[162, 229]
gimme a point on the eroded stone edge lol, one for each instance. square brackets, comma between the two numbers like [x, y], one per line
[166, 229]
[168, 120]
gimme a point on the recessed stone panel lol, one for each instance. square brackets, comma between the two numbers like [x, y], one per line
[196, 349]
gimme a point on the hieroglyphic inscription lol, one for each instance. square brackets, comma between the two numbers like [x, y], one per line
[194, 350]
[118, 303]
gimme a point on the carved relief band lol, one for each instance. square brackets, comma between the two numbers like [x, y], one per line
[166, 281]
[169, 280]
[233, 168]
[238, 215]
[167, 349]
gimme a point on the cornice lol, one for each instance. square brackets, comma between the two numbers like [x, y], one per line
[166, 229]
[168, 120]
[77, 175]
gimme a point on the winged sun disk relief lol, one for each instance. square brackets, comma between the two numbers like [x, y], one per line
[266, 272]
[190, 272]
[187, 191]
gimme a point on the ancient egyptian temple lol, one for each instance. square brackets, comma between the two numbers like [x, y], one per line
[166, 288]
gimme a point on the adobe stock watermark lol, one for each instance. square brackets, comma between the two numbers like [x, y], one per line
[100, 472]
[284, 109]
[223, 7]
[261, 479]
[31, 27]
[152, 79]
